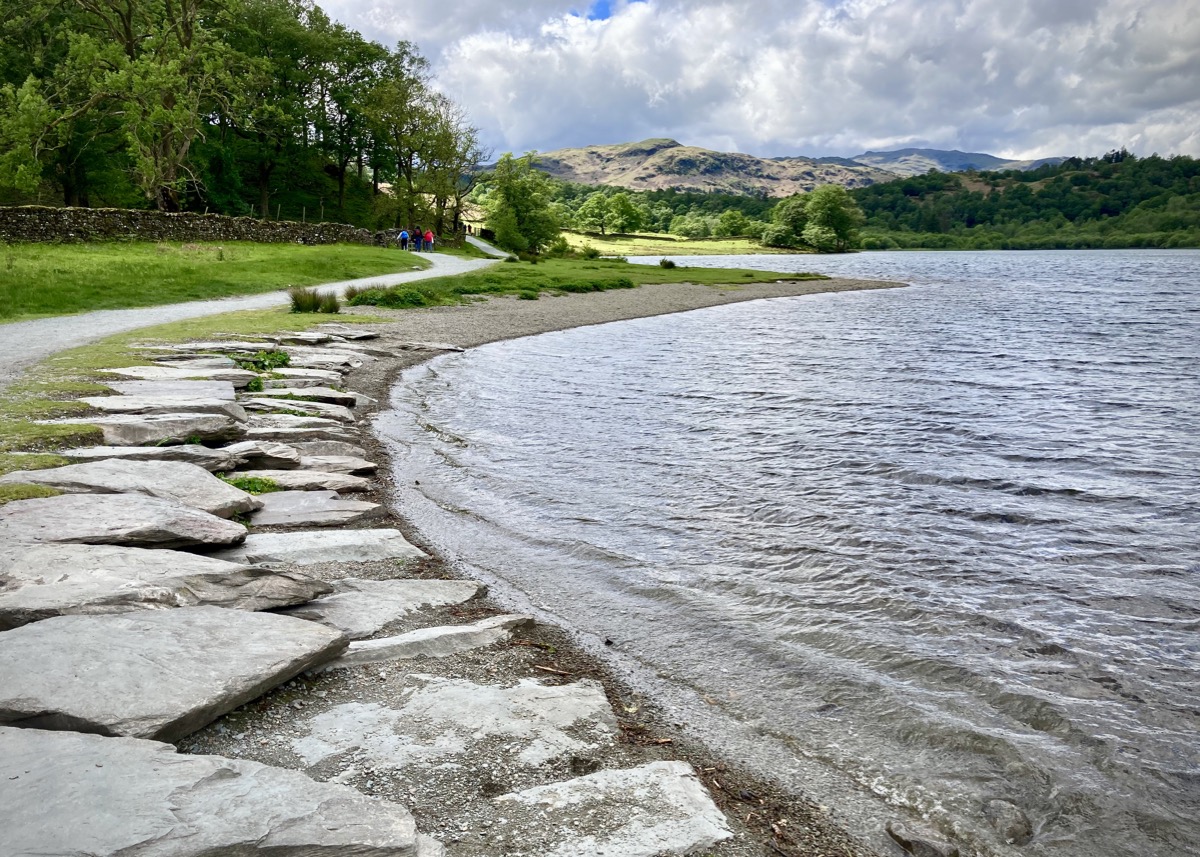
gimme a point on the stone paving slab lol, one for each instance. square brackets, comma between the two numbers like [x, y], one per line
[158, 674]
[432, 642]
[146, 429]
[67, 793]
[213, 460]
[312, 509]
[360, 608]
[168, 480]
[313, 547]
[442, 719]
[206, 361]
[293, 434]
[652, 810]
[177, 372]
[125, 404]
[265, 454]
[329, 447]
[316, 394]
[41, 581]
[113, 519]
[317, 409]
[349, 333]
[338, 464]
[156, 389]
[218, 346]
[310, 480]
[295, 373]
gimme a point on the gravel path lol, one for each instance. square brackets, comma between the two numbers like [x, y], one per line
[26, 343]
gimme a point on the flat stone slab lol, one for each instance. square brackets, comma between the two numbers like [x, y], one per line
[322, 358]
[293, 434]
[217, 346]
[146, 429]
[265, 454]
[310, 480]
[179, 372]
[319, 546]
[441, 718]
[169, 480]
[189, 360]
[67, 793]
[41, 581]
[113, 519]
[359, 608]
[330, 376]
[316, 409]
[338, 464]
[165, 405]
[329, 447]
[312, 509]
[349, 333]
[174, 389]
[159, 674]
[316, 394]
[654, 809]
[432, 642]
[214, 460]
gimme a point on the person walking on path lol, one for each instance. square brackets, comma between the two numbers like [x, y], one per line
[403, 239]
[417, 237]
[429, 240]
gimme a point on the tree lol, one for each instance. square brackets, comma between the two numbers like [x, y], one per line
[623, 215]
[518, 205]
[593, 215]
[833, 219]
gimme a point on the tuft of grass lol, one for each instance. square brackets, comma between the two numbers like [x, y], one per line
[305, 300]
[22, 491]
[58, 279]
[264, 361]
[255, 385]
[10, 463]
[666, 263]
[251, 484]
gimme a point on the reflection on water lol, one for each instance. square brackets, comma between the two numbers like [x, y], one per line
[939, 543]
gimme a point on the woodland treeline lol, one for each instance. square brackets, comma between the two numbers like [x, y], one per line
[240, 107]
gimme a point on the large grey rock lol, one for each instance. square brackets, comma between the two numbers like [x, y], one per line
[315, 394]
[318, 546]
[432, 642]
[329, 447]
[920, 843]
[169, 480]
[188, 360]
[217, 346]
[165, 405]
[656, 809]
[40, 581]
[304, 408]
[64, 793]
[214, 460]
[175, 389]
[310, 480]
[350, 334]
[359, 608]
[265, 454]
[312, 509]
[338, 464]
[1009, 821]
[328, 376]
[180, 372]
[114, 519]
[153, 674]
[307, 337]
[145, 429]
[440, 718]
[289, 428]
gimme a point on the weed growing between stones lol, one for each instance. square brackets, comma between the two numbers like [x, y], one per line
[251, 484]
[264, 361]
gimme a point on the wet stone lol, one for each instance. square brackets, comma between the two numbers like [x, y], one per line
[360, 608]
[437, 642]
[320, 546]
[312, 508]
[146, 429]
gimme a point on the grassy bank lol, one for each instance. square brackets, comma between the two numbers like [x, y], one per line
[656, 244]
[51, 390]
[556, 276]
[58, 279]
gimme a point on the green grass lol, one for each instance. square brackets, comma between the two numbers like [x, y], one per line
[21, 491]
[49, 390]
[655, 244]
[10, 463]
[252, 484]
[557, 276]
[58, 279]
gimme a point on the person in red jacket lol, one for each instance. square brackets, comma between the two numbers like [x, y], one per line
[429, 240]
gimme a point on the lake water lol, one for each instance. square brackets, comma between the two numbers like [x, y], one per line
[907, 551]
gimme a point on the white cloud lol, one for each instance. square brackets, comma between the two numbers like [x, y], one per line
[1012, 77]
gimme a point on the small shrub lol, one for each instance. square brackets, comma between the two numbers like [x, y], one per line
[589, 252]
[305, 300]
[529, 294]
[264, 361]
[666, 263]
[329, 303]
[351, 293]
[511, 259]
[255, 385]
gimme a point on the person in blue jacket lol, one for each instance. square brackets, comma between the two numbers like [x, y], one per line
[403, 239]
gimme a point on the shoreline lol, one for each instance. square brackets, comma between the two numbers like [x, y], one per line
[731, 779]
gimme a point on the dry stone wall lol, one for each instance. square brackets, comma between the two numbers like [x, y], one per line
[44, 224]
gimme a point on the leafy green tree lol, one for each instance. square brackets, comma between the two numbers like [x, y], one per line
[594, 214]
[518, 205]
[833, 219]
[623, 215]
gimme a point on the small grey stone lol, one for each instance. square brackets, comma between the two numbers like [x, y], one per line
[151, 674]
[359, 608]
[919, 843]
[312, 508]
[114, 519]
[1009, 821]
[432, 642]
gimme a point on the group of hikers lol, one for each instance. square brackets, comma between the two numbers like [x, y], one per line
[416, 239]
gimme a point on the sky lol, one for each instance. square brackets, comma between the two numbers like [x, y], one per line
[1013, 78]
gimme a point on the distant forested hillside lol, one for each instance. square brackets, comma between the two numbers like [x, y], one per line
[1114, 201]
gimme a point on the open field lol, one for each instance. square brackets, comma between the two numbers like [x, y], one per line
[556, 276]
[59, 279]
[654, 244]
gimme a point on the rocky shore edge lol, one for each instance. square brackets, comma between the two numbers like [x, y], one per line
[361, 697]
